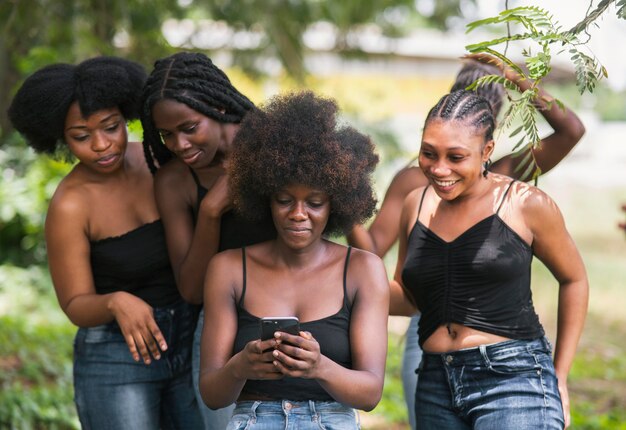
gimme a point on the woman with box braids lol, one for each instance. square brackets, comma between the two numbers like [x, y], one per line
[106, 249]
[190, 115]
[467, 240]
[383, 231]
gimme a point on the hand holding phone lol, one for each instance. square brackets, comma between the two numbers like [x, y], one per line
[270, 325]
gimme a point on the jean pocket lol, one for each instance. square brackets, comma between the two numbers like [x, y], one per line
[102, 334]
[239, 422]
[522, 363]
[337, 421]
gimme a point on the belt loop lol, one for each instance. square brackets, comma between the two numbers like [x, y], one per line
[314, 414]
[255, 405]
[483, 352]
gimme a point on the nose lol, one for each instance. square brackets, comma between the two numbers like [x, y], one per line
[100, 142]
[440, 168]
[181, 143]
[298, 212]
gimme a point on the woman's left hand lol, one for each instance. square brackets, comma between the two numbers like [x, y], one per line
[297, 356]
[563, 391]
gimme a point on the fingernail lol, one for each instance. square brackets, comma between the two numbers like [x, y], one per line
[157, 357]
[163, 346]
[275, 353]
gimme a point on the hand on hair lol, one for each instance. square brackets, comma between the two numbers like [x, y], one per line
[484, 58]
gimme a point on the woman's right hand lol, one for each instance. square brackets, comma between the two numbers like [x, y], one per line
[257, 360]
[136, 320]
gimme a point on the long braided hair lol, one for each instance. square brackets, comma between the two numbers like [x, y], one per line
[473, 70]
[467, 107]
[192, 79]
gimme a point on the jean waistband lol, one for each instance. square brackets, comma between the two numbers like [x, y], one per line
[478, 354]
[306, 407]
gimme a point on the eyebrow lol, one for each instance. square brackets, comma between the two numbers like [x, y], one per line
[103, 120]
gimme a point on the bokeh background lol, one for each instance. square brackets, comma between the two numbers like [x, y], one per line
[386, 62]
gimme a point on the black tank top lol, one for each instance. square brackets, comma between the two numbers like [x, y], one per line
[136, 262]
[235, 230]
[332, 333]
[481, 279]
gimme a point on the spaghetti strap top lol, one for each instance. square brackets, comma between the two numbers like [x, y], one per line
[481, 279]
[332, 333]
[235, 230]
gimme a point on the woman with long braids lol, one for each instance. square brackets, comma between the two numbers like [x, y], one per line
[106, 250]
[467, 240]
[190, 115]
[383, 231]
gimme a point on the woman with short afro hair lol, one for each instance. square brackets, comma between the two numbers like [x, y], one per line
[293, 163]
[106, 249]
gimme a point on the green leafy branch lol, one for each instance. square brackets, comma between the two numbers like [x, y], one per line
[539, 27]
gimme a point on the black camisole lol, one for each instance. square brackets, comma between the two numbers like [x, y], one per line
[332, 333]
[481, 279]
[136, 262]
[235, 230]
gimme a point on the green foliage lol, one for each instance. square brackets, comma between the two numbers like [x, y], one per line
[539, 28]
[36, 375]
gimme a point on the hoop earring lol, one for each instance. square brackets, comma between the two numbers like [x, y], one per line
[486, 166]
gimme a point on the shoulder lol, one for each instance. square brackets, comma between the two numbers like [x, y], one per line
[366, 266]
[225, 262]
[173, 177]
[536, 207]
[69, 204]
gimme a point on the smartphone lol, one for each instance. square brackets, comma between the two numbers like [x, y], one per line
[270, 325]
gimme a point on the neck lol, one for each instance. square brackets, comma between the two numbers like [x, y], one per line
[300, 257]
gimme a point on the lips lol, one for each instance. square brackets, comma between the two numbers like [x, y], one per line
[190, 158]
[107, 160]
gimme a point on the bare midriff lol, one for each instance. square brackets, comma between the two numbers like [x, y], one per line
[454, 337]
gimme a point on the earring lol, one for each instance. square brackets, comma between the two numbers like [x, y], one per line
[486, 166]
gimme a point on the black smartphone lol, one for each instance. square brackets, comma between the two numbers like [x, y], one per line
[270, 325]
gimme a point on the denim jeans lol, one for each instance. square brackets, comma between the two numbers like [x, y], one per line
[113, 391]
[288, 415]
[410, 362]
[507, 385]
[214, 419]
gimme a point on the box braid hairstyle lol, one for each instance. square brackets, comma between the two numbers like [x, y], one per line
[192, 79]
[466, 107]
[40, 106]
[296, 139]
[473, 70]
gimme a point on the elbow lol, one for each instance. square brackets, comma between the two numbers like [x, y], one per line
[190, 296]
[372, 401]
[213, 400]
[577, 131]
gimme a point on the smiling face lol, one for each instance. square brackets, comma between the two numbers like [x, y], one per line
[300, 214]
[451, 156]
[195, 138]
[98, 141]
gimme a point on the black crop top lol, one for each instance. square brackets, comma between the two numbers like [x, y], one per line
[235, 231]
[136, 262]
[332, 333]
[481, 279]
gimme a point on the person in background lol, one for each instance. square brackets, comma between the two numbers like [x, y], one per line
[622, 225]
[190, 115]
[383, 231]
[106, 249]
[467, 240]
[293, 164]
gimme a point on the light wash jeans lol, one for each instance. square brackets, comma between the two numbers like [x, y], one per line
[410, 362]
[214, 419]
[509, 385]
[112, 391]
[297, 415]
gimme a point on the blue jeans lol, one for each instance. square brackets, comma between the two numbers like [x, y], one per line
[113, 391]
[288, 415]
[410, 362]
[214, 419]
[507, 385]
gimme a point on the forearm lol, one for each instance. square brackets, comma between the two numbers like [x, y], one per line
[573, 298]
[360, 389]
[90, 310]
[221, 387]
[204, 246]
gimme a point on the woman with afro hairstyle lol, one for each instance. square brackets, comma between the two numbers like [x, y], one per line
[293, 164]
[106, 249]
[384, 229]
[467, 240]
[190, 115]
